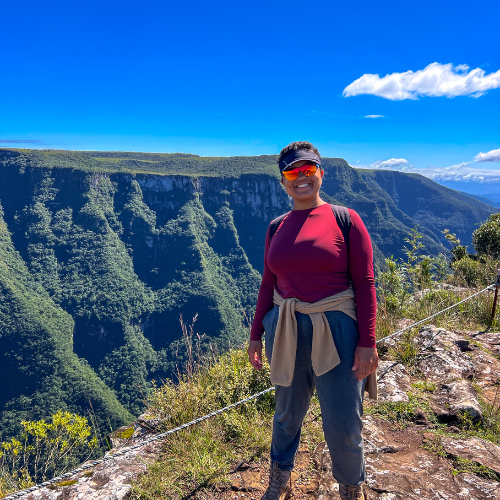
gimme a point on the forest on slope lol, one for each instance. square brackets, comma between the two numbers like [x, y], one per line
[101, 252]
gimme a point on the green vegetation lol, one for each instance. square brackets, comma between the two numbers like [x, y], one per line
[424, 385]
[157, 163]
[463, 465]
[41, 374]
[403, 413]
[119, 274]
[102, 252]
[486, 239]
[45, 450]
[203, 453]
[416, 287]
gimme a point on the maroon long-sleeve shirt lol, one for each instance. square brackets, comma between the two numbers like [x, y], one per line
[308, 259]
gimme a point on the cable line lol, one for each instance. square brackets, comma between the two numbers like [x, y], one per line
[133, 447]
[210, 415]
[489, 287]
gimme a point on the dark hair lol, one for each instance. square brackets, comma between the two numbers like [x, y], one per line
[293, 146]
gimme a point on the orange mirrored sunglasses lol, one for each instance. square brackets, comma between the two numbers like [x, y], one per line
[308, 169]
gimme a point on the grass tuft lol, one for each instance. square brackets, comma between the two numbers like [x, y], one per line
[203, 454]
[403, 413]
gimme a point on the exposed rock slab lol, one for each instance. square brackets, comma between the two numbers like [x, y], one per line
[414, 474]
[445, 362]
[393, 381]
[478, 450]
[419, 475]
[107, 481]
[462, 398]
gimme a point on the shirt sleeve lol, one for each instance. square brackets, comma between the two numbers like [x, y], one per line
[363, 281]
[265, 300]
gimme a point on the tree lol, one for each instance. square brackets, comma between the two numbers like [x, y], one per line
[486, 239]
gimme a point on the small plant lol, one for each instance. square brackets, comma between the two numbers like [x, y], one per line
[435, 446]
[464, 465]
[406, 350]
[403, 413]
[424, 385]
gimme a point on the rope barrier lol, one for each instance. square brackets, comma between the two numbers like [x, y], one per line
[205, 417]
[134, 447]
[489, 287]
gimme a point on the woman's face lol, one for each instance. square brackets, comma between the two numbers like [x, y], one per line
[304, 189]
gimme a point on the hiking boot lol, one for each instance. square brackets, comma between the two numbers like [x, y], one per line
[351, 492]
[280, 483]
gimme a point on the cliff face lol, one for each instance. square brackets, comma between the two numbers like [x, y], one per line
[429, 204]
[122, 253]
[40, 372]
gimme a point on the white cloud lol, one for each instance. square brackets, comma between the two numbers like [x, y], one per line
[436, 80]
[493, 155]
[399, 164]
[463, 172]
[373, 116]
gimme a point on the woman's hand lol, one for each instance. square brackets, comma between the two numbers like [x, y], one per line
[255, 354]
[365, 361]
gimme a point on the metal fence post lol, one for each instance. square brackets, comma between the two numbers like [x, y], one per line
[497, 286]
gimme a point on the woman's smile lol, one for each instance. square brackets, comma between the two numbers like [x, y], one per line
[305, 189]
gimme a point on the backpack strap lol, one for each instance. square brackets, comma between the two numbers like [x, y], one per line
[275, 224]
[344, 221]
[341, 214]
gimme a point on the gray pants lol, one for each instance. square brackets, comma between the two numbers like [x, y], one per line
[340, 395]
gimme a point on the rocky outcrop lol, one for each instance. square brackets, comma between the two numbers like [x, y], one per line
[110, 480]
[477, 450]
[462, 399]
[428, 455]
[393, 381]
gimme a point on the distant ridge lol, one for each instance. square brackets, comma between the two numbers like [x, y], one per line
[488, 201]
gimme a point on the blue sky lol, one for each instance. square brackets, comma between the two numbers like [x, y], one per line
[245, 78]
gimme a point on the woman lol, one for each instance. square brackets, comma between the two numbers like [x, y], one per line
[313, 283]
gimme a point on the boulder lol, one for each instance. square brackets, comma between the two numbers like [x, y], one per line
[475, 449]
[462, 398]
[445, 361]
[393, 381]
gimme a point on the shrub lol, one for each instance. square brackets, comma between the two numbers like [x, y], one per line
[486, 239]
[469, 270]
[203, 453]
[45, 449]
[475, 271]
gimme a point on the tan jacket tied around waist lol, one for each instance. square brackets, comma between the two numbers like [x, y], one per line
[324, 355]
